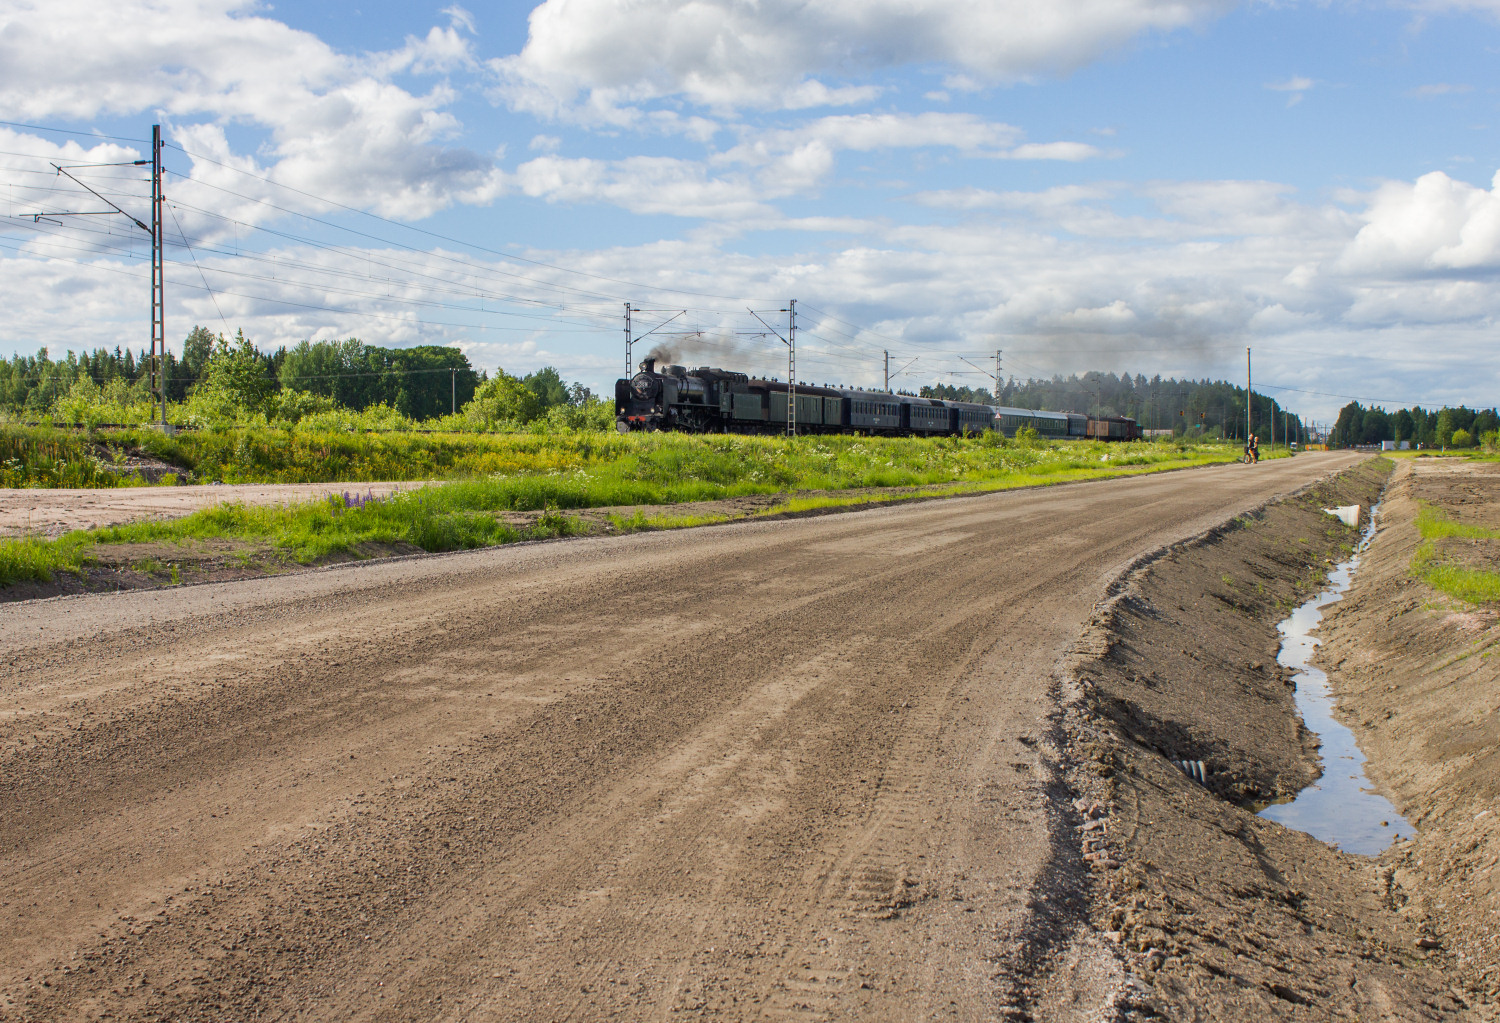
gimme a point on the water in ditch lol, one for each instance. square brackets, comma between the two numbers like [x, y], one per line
[1340, 808]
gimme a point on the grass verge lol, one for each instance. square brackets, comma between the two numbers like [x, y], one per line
[471, 513]
[676, 466]
[1471, 585]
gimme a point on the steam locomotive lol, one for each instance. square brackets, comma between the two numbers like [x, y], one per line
[709, 400]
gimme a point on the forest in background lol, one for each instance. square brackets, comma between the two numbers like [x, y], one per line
[317, 385]
[349, 385]
[1212, 409]
[1439, 428]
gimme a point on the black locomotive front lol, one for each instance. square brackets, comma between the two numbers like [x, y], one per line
[670, 399]
[638, 404]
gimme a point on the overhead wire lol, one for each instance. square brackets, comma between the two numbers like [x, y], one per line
[858, 347]
[467, 265]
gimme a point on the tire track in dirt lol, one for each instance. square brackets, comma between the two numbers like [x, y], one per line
[754, 771]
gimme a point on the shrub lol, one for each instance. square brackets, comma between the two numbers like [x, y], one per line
[1463, 439]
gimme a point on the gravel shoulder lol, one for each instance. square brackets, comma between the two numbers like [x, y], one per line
[1221, 914]
[808, 769]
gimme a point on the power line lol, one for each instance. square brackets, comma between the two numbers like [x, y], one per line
[68, 131]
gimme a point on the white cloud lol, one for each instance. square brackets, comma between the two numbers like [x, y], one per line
[1070, 151]
[1052, 199]
[866, 132]
[1435, 89]
[644, 184]
[606, 55]
[1297, 86]
[222, 60]
[1297, 83]
[1431, 225]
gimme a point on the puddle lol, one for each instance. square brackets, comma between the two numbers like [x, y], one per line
[1340, 808]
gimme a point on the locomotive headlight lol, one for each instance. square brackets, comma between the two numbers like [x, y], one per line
[644, 386]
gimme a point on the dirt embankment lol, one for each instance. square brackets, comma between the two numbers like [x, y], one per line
[1219, 913]
[1415, 679]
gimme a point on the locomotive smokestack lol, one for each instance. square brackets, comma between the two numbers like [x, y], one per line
[648, 365]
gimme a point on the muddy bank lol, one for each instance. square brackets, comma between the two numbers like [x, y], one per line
[1415, 676]
[1218, 913]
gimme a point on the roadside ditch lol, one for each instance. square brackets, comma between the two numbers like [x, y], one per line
[1215, 912]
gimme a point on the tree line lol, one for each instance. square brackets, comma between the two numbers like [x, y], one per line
[1442, 428]
[1209, 408]
[224, 380]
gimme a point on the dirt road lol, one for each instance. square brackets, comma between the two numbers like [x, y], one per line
[789, 770]
[54, 512]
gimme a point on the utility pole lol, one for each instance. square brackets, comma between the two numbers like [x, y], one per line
[453, 381]
[156, 366]
[887, 371]
[791, 370]
[158, 279]
[1248, 403]
[1273, 424]
[997, 376]
[791, 361]
[628, 342]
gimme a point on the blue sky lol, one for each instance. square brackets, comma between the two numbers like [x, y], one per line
[1131, 185]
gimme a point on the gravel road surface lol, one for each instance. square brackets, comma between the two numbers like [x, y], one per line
[783, 770]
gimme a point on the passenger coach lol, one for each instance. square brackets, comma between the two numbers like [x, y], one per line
[709, 400]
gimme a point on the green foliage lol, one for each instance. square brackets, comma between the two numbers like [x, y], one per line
[234, 387]
[1198, 409]
[556, 473]
[421, 382]
[1471, 585]
[1433, 524]
[1402, 425]
[1475, 586]
[290, 407]
[118, 401]
[31, 559]
[1358, 425]
[547, 384]
[47, 458]
[1443, 431]
[197, 350]
[1462, 439]
[503, 400]
[952, 392]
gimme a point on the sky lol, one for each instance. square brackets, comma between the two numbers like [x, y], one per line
[1143, 186]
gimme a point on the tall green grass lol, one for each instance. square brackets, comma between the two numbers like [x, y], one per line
[51, 458]
[690, 467]
[647, 470]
